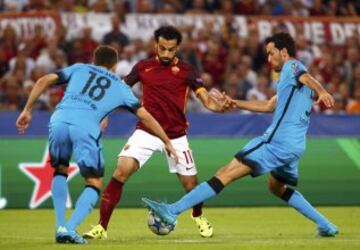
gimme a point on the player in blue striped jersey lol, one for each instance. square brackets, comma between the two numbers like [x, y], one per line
[279, 149]
[92, 92]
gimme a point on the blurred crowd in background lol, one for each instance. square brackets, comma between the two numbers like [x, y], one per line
[224, 60]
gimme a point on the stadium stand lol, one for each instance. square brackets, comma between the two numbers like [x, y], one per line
[225, 60]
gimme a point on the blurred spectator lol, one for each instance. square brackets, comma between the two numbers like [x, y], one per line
[226, 7]
[244, 85]
[127, 61]
[250, 74]
[194, 104]
[318, 8]
[11, 97]
[246, 7]
[37, 42]
[22, 61]
[49, 55]
[196, 7]
[303, 50]
[354, 106]
[77, 53]
[88, 43]
[259, 91]
[115, 35]
[352, 67]
[40, 104]
[4, 67]
[38, 5]
[100, 5]
[144, 6]
[299, 8]
[18, 5]
[225, 60]
[8, 43]
[214, 62]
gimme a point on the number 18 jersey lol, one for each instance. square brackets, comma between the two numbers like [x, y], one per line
[92, 92]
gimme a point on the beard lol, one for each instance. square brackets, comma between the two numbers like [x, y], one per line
[166, 60]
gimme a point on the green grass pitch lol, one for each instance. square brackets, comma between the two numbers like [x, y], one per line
[245, 228]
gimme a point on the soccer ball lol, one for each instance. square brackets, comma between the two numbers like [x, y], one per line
[157, 226]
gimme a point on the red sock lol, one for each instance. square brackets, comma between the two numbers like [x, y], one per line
[197, 210]
[109, 199]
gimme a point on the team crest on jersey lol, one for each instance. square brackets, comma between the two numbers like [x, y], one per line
[41, 174]
[296, 68]
[175, 69]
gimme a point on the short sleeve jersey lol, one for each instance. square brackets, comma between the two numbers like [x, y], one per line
[92, 92]
[165, 92]
[292, 113]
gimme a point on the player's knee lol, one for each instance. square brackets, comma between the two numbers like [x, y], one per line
[63, 170]
[275, 188]
[189, 185]
[94, 182]
[124, 169]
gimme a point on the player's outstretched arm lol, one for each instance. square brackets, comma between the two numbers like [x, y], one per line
[267, 106]
[315, 85]
[149, 121]
[214, 100]
[24, 119]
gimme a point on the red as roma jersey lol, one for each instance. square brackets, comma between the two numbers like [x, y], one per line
[165, 92]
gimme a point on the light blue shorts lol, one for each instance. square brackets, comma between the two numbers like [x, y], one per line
[265, 157]
[67, 139]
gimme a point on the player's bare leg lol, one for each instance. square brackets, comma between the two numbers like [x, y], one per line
[205, 229]
[232, 171]
[297, 201]
[126, 166]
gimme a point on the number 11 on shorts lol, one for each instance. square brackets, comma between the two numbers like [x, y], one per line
[188, 156]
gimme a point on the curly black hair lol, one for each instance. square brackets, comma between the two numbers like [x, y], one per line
[169, 33]
[283, 40]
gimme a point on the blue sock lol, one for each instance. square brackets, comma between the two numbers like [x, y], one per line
[199, 194]
[298, 202]
[83, 207]
[59, 190]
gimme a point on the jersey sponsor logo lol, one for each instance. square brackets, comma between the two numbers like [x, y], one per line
[41, 174]
[149, 69]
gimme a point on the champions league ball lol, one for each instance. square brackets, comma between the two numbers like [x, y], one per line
[157, 226]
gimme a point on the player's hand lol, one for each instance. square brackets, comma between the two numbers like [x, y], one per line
[104, 123]
[23, 121]
[327, 99]
[226, 102]
[171, 152]
[223, 100]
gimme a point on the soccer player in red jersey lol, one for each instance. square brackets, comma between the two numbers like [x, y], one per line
[166, 82]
